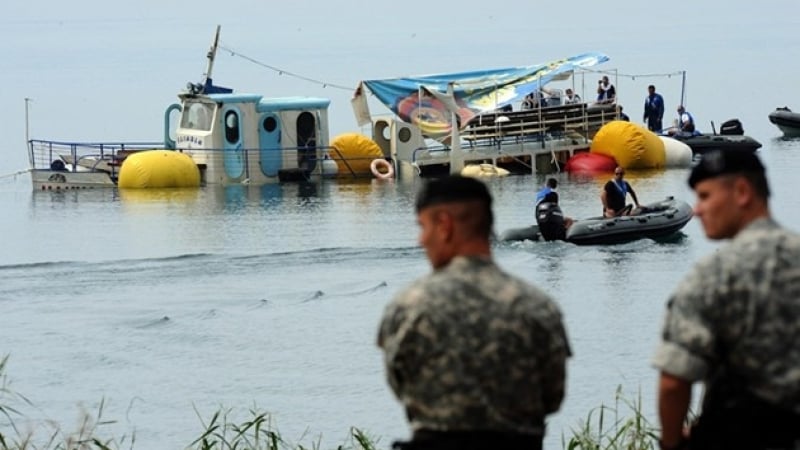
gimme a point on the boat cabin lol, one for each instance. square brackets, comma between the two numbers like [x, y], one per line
[246, 138]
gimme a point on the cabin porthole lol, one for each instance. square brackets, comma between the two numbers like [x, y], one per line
[404, 135]
[270, 124]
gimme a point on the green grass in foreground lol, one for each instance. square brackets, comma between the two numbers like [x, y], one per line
[610, 428]
[618, 427]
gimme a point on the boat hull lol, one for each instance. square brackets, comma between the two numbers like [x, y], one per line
[657, 221]
[54, 180]
[786, 121]
[702, 144]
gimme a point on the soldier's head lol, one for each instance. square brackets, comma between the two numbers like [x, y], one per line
[732, 191]
[552, 183]
[455, 218]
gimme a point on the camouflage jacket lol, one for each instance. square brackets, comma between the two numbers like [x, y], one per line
[469, 347]
[735, 319]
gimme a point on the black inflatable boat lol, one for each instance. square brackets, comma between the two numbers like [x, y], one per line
[731, 138]
[653, 221]
[786, 120]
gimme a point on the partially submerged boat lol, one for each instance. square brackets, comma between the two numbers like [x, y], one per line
[656, 221]
[231, 138]
[442, 123]
[786, 120]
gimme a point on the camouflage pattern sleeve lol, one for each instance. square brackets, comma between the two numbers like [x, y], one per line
[687, 336]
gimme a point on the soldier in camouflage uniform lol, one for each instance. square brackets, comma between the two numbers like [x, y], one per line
[734, 322]
[476, 356]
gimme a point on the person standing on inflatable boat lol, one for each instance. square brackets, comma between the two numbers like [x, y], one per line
[614, 194]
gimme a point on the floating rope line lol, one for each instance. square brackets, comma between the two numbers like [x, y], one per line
[284, 72]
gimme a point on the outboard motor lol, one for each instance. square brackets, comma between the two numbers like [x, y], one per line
[550, 220]
[731, 127]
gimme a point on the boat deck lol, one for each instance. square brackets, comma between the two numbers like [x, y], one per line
[530, 141]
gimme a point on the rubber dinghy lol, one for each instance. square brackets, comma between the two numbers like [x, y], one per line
[786, 120]
[653, 221]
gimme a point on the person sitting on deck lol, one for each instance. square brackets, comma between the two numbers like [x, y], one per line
[535, 99]
[571, 98]
[606, 92]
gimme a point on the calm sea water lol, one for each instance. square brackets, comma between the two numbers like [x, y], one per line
[163, 302]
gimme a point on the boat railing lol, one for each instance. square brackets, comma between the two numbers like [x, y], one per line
[538, 124]
[108, 156]
[69, 156]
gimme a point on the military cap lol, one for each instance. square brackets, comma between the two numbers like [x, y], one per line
[451, 189]
[717, 162]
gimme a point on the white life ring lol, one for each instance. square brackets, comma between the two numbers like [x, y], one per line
[381, 169]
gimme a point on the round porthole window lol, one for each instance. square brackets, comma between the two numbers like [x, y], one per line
[270, 124]
[404, 135]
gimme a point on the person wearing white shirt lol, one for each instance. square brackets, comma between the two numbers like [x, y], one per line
[571, 98]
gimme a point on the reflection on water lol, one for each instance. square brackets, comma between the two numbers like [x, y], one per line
[176, 195]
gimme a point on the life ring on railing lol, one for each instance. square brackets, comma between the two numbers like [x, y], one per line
[381, 168]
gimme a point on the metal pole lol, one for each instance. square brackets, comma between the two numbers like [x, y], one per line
[212, 53]
[456, 155]
[28, 133]
[683, 88]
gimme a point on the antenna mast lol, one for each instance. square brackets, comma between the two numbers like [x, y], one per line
[212, 53]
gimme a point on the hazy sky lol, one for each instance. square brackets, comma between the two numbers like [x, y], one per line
[105, 70]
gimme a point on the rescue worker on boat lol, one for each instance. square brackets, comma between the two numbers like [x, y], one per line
[685, 121]
[685, 126]
[551, 221]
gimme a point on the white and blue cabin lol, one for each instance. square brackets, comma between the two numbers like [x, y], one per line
[245, 138]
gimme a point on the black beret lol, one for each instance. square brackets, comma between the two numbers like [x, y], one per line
[451, 189]
[717, 162]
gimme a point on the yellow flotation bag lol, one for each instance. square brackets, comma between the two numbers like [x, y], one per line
[158, 169]
[631, 145]
[483, 170]
[354, 152]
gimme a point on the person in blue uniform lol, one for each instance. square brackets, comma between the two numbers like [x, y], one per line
[653, 110]
[548, 192]
[622, 115]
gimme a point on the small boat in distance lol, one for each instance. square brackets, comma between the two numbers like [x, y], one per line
[786, 120]
[655, 221]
